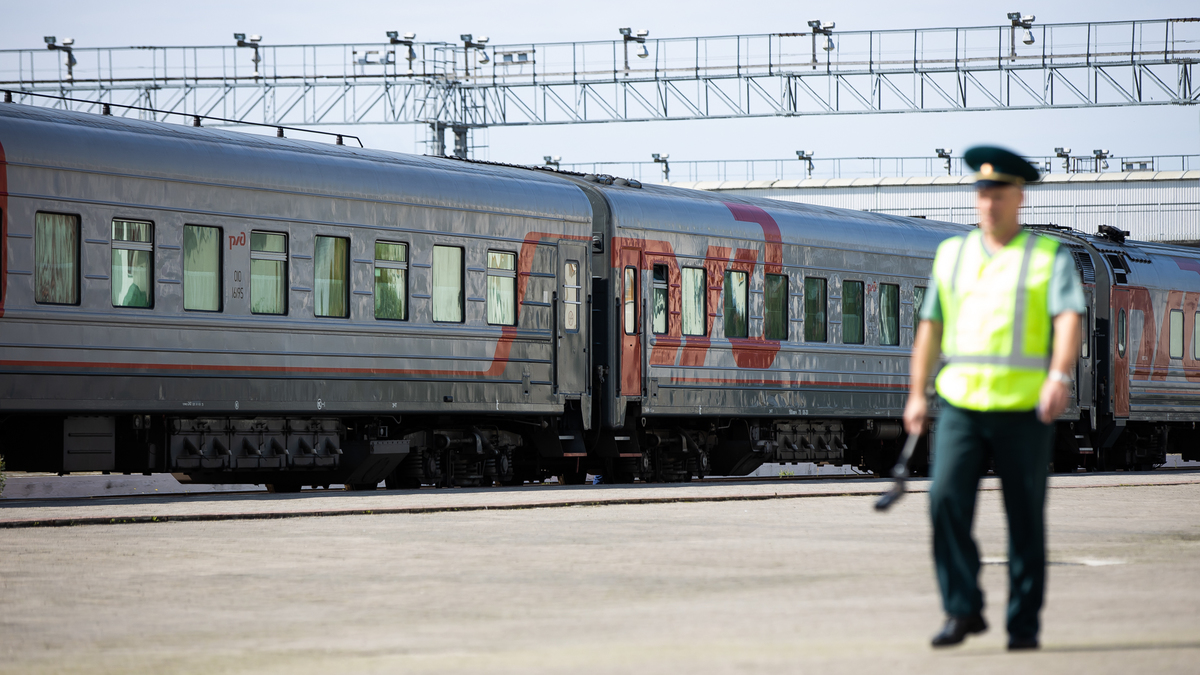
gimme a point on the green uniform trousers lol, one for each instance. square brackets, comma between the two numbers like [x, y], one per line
[1021, 447]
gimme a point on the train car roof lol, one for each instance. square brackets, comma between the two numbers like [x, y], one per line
[669, 209]
[58, 139]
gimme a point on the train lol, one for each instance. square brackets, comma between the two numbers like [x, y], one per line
[236, 308]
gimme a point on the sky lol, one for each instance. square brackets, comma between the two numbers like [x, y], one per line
[1124, 131]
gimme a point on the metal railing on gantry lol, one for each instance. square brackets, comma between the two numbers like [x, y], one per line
[473, 84]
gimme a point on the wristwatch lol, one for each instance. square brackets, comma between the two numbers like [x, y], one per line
[1060, 376]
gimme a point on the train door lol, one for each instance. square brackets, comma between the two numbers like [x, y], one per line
[1084, 376]
[1120, 352]
[574, 365]
[629, 321]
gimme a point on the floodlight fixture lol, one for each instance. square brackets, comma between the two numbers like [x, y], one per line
[806, 156]
[638, 36]
[1028, 39]
[240, 37]
[824, 28]
[256, 38]
[662, 159]
[482, 39]
[1065, 154]
[465, 37]
[552, 160]
[393, 35]
[66, 46]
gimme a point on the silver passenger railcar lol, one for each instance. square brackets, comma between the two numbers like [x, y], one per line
[236, 308]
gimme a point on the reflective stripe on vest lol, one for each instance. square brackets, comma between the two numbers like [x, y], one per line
[996, 334]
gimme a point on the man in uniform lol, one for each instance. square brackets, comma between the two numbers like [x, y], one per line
[1004, 307]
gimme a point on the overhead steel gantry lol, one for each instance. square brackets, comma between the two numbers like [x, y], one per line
[469, 85]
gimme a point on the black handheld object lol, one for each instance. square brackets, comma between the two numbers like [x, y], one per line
[899, 473]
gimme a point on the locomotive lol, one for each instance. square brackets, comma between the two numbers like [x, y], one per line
[233, 308]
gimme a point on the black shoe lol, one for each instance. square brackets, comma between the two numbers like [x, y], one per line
[957, 628]
[1019, 643]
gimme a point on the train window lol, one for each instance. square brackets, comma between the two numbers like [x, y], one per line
[1121, 333]
[268, 273]
[448, 284]
[775, 310]
[918, 303]
[1177, 334]
[695, 301]
[502, 288]
[814, 309]
[202, 268]
[56, 259]
[331, 277]
[659, 301]
[571, 292]
[391, 281]
[630, 301]
[1085, 321]
[1196, 336]
[889, 314]
[132, 263]
[736, 291]
[852, 313]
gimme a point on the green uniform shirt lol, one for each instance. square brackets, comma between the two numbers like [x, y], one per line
[1066, 290]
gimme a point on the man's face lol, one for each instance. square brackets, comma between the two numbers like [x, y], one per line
[998, 206]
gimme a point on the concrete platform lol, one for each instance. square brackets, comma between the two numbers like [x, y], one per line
[16, 513]
[735, 580]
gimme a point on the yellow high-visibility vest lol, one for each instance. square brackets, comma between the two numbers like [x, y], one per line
[996, 321]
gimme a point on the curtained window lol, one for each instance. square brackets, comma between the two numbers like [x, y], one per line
[695, 304]
[1176, 345]
[814, 309]
[56, 259]
[736, 289]
[889, 314]
[571, 302]
[132, 263]
[391, 281]
[331, 277]
[775, 312]
[853, 319]
[202, 268]
[268, 273]
[659, 300]
[630, 301]
[501, 288]
[447, 283]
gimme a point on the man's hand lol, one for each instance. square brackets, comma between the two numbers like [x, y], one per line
[926, 347]
[915, 412]
[1052, 400]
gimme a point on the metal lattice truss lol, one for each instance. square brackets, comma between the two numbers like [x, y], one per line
[471, 85]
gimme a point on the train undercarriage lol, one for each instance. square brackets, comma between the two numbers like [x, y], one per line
[288, 453]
